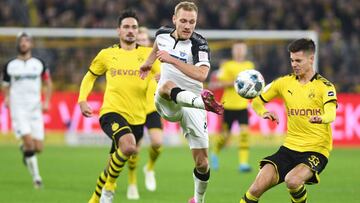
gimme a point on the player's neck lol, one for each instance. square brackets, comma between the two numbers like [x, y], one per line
[127, 46]
[25, 56]
[305, 78]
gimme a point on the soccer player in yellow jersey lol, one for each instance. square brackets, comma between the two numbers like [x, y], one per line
[235, 107]
[153, 121]
[122, 115]
[310, 102]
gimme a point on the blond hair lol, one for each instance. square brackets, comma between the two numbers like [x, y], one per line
[187, 6]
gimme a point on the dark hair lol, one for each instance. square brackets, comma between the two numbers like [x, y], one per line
[303, 44]
[127, 14]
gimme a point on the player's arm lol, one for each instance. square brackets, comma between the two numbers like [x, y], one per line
[328, 116]
[198, 73]
[96, 69]
[48, 87]
[258, 103]
[146, 67]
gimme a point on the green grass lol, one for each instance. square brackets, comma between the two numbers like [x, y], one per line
[69, 175]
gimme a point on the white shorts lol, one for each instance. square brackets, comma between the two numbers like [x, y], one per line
[27, 119]
[193, 121]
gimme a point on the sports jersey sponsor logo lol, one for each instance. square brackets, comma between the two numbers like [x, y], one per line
[304, 112]
[331, 93]
[124, 72]
[179, 58]
[26, 77]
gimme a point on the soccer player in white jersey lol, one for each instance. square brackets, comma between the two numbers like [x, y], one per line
[22, 81]
[180, 96]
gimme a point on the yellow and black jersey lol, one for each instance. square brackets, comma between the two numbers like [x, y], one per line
[303, 101]
[125, 91]
[150, 106]
[227, 73]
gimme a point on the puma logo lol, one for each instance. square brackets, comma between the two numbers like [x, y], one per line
[290, 92]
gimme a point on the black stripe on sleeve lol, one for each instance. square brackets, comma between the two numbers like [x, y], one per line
[93, 73]
[331, 100]
[262, 98]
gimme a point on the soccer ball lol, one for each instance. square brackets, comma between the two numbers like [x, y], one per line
[249, 84]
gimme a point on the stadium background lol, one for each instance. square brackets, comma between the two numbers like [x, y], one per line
[337, 23]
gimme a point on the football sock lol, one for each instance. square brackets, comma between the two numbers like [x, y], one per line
[249, 198]
[186, 98]
[117, 162]
[154, 152]
[32, 164]
[298, 195]
[100, 183]
[201, 181]
[219, 144]
[244, 148]
[132, 163]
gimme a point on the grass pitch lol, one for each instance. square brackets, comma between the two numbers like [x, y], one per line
[69, 175]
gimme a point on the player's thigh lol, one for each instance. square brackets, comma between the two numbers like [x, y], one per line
[265, 179]
[20, 119]
[298, 175]
[168, 109]
[194, 125]
[315, 161]
[37, 125]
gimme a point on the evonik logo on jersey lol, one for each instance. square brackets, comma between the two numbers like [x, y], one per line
[304, 112]
[124, 72]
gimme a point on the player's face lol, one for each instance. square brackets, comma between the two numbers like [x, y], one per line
[143, 39]
[239, 51]
[25, 45]
[301, 62]
[185, 22]
[128, 30]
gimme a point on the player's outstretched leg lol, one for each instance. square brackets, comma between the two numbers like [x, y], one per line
[132, 191]
[149, 173]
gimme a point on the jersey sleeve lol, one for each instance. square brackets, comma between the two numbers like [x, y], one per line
[5, 76]
[272, 90]
[200, 51]
[98, 66]
[329, 94]
[45, 74]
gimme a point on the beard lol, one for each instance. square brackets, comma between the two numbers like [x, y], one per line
[22, 51]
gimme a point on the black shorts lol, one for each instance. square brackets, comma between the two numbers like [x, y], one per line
[235, 115]
[286, 159]
[153, 120]
[115, 126]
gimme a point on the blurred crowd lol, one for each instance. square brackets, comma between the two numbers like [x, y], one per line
[337, 22]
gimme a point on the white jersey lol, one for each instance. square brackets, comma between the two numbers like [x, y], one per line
[192, 51]
[24, 79]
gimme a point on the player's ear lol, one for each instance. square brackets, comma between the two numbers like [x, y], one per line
[174, 19]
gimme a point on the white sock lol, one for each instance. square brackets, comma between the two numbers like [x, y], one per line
[189, 99]
[199, 189]
[32, 165]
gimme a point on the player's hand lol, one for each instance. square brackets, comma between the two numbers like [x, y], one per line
[164, 56]
[6, 102]
[271, 116]
[315, 119]
[45, 107]
[145, 70]
[157, 77]
[85, 109]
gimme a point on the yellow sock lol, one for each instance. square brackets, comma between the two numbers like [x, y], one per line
[219, 143]
[100, 183]
[117, 162]
[249, 198]
[154, 152]
[132, 163]
[244, 148]
[298, 195]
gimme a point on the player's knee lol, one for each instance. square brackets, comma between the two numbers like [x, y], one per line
[292, 182]
[202, 165]
[165, 88]
[129, 150]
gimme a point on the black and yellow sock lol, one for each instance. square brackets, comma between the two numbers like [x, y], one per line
[219, 143]
[132, 164]
[154, 152]
[298, 195]
[100, 183]
[244, 148]
[249, 198]
[117, 162]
